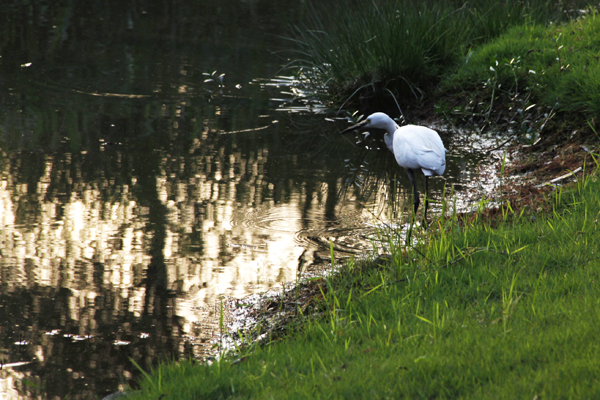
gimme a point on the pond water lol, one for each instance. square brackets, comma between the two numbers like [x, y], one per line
[152, 160]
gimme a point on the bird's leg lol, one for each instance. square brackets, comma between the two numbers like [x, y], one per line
[426, 200]
[411, 176]
[416, 195]
[412, 218]
[409, 234]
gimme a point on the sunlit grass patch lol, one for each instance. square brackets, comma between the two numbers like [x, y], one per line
[551, 66]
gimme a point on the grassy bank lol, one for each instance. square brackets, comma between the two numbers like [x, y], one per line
[553, 67]
[474, 312]
[539, 52]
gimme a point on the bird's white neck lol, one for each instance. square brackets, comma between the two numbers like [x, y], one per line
[391, 127]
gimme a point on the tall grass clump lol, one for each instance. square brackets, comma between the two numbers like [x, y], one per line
[398, 46]
[405, 46]
[472, 313]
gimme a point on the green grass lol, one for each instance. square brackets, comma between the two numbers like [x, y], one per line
[406, 46]
[473, 312]
[557, 64]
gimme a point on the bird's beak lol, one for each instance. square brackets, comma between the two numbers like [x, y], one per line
[353, 127]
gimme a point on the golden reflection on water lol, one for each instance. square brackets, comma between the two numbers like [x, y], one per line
[123, 251]
[216, 241]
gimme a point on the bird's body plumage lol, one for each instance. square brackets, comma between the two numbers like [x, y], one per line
[416, 148]
[419, 148]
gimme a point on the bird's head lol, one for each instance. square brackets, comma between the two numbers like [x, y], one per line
[377, 120]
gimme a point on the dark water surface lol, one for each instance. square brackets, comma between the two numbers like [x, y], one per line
[138, 184]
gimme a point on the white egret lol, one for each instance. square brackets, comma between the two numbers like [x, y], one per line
[416, 148]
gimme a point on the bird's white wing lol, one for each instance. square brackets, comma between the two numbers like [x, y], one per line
[418, 147]
[431, 162]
